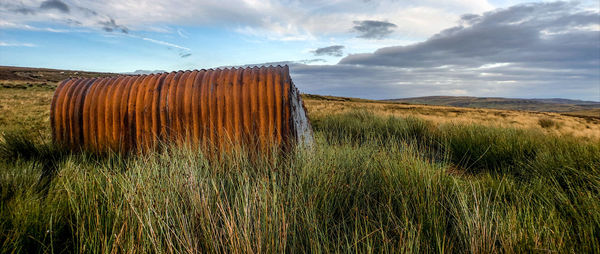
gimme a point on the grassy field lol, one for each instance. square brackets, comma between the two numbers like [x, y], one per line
[563, 124]
[382, 177]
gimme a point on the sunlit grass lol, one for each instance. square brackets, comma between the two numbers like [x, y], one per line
[370, 184]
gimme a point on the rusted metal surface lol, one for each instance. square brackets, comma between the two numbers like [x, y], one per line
[252, 106]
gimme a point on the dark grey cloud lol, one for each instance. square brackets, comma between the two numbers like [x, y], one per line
[72, 22]
[17, 7]
[184, 55]
[469, 17]
[540, 34]
[87, 11]
[379, 82]
[335, 50]
[531, 50]
[373, 29]
[24, 10]
[54, 4]
[111, 25]
[310, 61]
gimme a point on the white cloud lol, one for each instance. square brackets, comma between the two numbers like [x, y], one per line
[276, 20]
[182, 33]
[18, 44]
[9, 25]
[168, 44]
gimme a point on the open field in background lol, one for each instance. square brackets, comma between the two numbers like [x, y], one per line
[25, 96]
[554, 123]
[382, 177]
[26, 109]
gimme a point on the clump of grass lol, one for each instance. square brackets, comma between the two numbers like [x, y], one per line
[15, 145]
[360, 127]
[487, 149]
[548, 123]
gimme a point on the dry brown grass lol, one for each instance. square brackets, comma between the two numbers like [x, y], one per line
[26, 107]
[568, 125]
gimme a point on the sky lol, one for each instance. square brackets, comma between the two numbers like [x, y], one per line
[364, 48]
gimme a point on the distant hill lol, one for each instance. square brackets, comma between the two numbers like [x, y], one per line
[27, 74]
[567, 101]
[545, 105]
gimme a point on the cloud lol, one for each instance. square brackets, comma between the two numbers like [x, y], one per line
[24, 10]
[310, 61]
[299, 63]
[10, 25]
[168, 44]
[269, 19]
[73, 22]
[528, 50]
[82, 17]
[145, 72]
[379, 82]
[54, 4]
[110, 25]
[87, 11]
[372, 29]
[335, 50]
[548, 35]
[183, 51]
[6, 44]
[17, 8]
[182, 33]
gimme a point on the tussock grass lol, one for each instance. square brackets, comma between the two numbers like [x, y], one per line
[547, 123]
[370, 184]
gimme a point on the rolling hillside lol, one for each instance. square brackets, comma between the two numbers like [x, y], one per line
[590, 108]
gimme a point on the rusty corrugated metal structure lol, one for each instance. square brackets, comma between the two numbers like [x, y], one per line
[250, 106]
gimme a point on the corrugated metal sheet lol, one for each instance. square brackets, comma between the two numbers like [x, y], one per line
[251, 106]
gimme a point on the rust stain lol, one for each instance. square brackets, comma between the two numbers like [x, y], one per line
[219, 108]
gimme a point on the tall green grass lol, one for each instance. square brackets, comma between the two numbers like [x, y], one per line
[370, 184]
